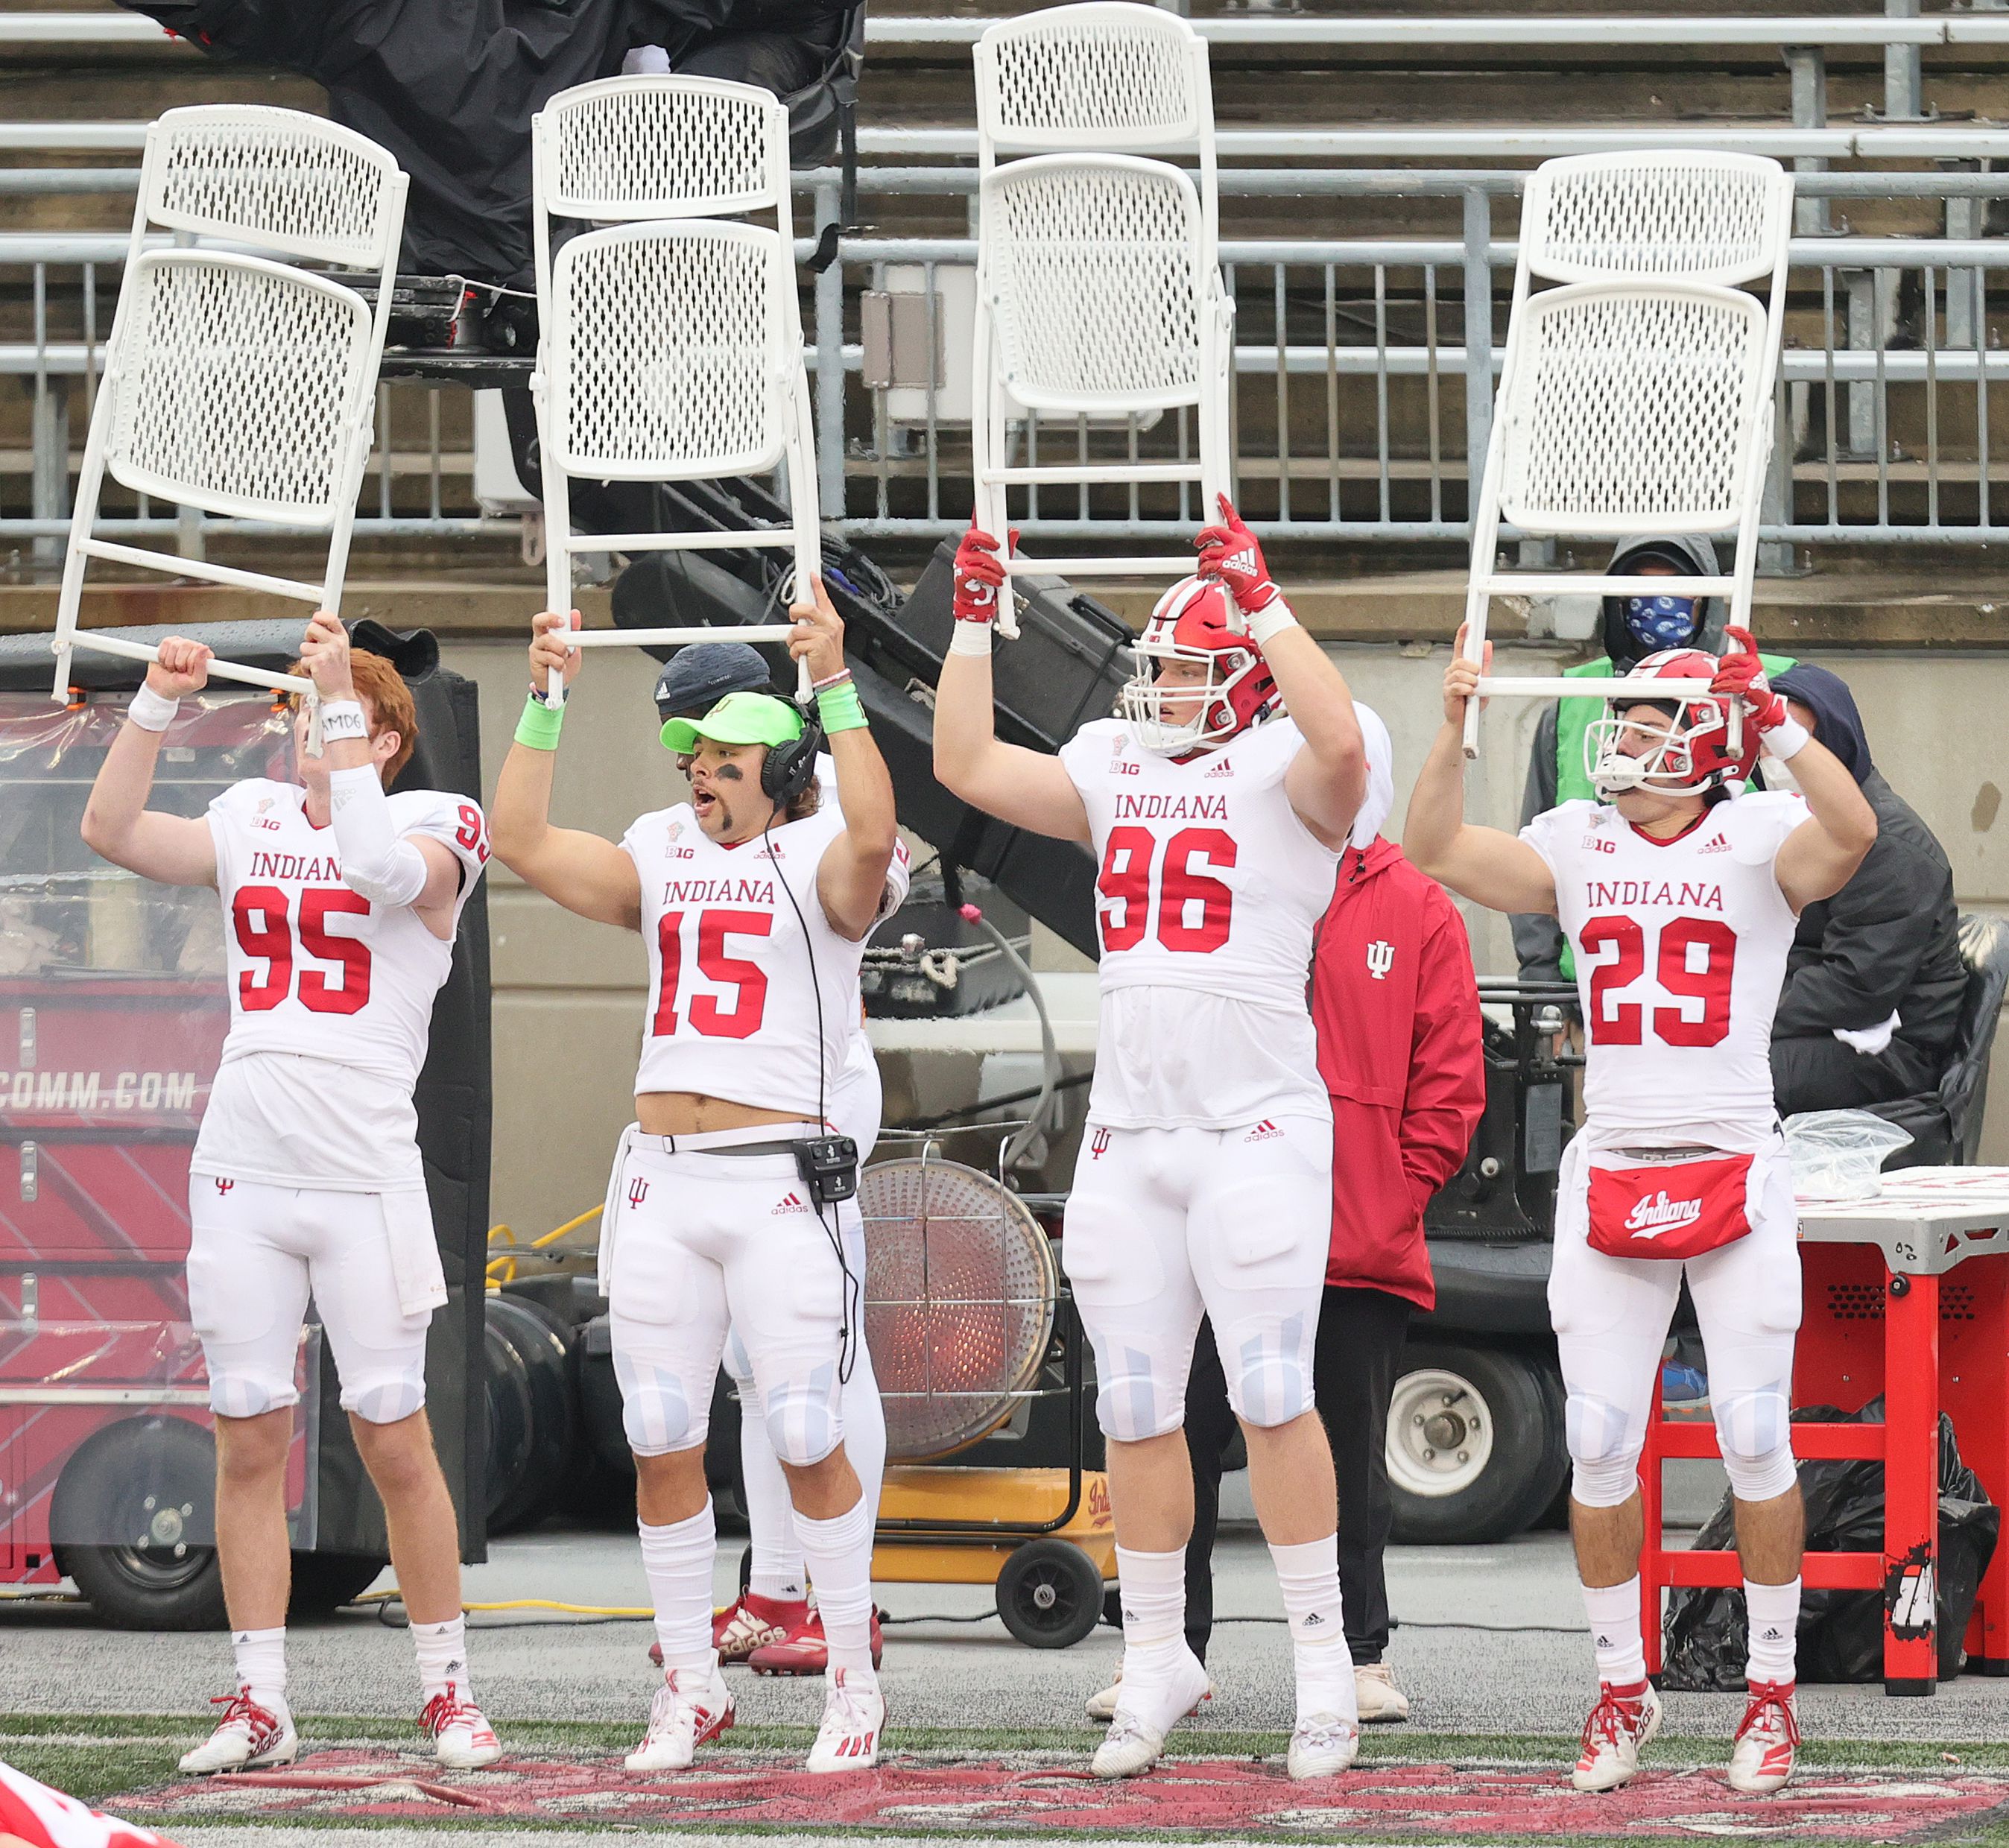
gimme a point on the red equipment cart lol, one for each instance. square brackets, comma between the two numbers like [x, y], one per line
[1907, 1295]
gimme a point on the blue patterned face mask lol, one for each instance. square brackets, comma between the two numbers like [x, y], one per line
[1658, 622]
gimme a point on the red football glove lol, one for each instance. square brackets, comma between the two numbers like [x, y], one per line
[979, 575]
[1230, 553]
[1741, 676]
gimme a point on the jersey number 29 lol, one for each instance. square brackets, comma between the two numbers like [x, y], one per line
[1124, 885]
[1693, 959]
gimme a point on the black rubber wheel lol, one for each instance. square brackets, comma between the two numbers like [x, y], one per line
[1049, 1594]
[506, 1381]
[1476, 1444]
[544, 1344]
[133, 1521]
[324, 1582]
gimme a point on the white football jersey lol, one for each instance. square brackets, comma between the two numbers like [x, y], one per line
[1210, 891]
[733, 1008]
[331, 995]
[1681, 950]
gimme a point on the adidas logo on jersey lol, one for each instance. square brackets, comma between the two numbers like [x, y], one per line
[1224, 768]
[793, 1203]
[1715, 844]
[1650, 1218]
[1265, 1132]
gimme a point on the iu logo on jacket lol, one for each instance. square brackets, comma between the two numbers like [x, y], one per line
[1380, 958]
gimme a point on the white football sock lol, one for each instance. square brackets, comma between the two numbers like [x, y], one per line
[679, 1559]
[1153, 1589]
[838, 1552]
[442, 1652]
[778, 1553]
[261, 1665]
[1308, 1576]
[1774, 1611]
[1614, 1611]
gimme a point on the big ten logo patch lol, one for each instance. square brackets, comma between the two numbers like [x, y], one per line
[1597, 844]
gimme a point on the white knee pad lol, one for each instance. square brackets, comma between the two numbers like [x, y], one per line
[1133, 1401]
[1755, 1434]
[242, 1394]
[1604, 1447]
[1269, 1371]
[656, 1411]
[800, 1410]
[385, 1398]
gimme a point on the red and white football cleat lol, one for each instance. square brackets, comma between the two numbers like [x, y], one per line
[1625, 1719]
[248, 1737]
[803, 1652]
[1767, 1740]
[681, 1719]
[854, 1716]
[463, 1739]
[750, 1622]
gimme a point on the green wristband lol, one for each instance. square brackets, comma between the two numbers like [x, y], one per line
[540, 725]
[839, 708]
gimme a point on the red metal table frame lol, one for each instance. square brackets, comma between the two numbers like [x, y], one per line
[1882, 1314]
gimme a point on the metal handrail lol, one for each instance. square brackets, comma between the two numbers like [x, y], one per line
[114, 28]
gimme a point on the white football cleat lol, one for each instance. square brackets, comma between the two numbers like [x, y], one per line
[248, 1738]
[1146, 1711]
[1381, 1702]
[681, 1719]
[1762, 1759]
[854, 1716]
[1102, 1705]
[1323, 1745]
[1622, 1721]
[463, 1739]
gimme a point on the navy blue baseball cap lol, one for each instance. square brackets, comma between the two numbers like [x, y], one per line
[696, 677]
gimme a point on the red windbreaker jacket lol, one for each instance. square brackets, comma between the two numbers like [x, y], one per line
[1396, 1009]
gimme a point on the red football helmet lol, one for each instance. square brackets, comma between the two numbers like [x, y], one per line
[1689, 754]
[1196, 620]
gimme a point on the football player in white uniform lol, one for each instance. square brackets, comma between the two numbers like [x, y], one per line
[1678, 897]
[340, 904]
[1218, 805]
[725, 1206]
[770, 1624]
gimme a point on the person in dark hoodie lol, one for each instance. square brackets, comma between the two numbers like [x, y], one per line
[1634, 627]
[1874, 980]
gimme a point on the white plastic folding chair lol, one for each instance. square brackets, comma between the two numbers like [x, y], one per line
[1099, 292]
[234, 382]
[1635, 397]
[672, 347]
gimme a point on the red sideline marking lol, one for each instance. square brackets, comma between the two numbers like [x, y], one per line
[1052, 1794]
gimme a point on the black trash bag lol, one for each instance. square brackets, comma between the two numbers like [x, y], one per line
[1842, 1633]
[449, 87]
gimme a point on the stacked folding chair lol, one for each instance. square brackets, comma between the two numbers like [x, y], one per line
[1099, 292]
[1636, 396]
[236, 382]
[672, 347]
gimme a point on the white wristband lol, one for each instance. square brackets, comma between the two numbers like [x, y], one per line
[151, 711]
[1787, 739]
[970, 638]
[1272, 619]
[342, 718]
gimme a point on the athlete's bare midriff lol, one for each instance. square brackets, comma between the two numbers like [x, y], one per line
[693, 1113]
